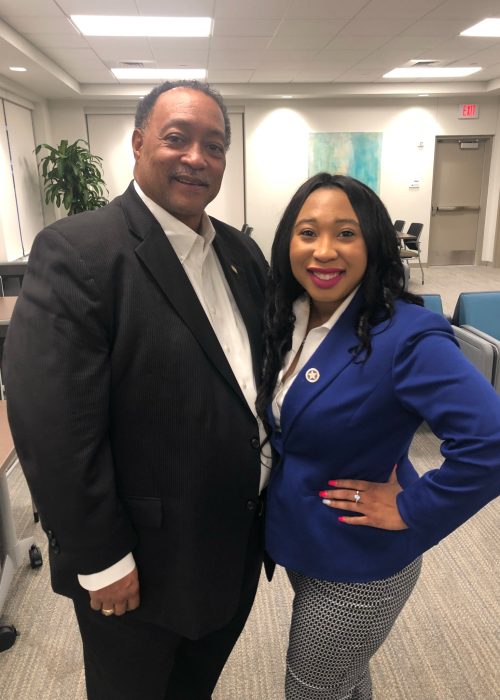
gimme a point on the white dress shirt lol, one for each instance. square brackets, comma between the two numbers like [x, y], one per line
[202, 267]
[305, 343]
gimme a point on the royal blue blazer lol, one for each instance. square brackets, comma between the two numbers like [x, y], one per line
[356, 422]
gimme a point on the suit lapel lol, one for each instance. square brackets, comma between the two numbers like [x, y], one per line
[158, 256]
[323, 367]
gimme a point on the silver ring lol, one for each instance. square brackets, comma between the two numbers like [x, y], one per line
[357, 497]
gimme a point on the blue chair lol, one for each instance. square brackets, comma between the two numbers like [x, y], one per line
[480, 310]
[480, 352]
[433, 302]
[478, 316]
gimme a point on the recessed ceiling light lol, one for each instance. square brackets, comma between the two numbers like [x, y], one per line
[18, 69]
[105, 25]
[286, 97]
[453, 72]
[424, 94]
[159, 73]
[488, 27]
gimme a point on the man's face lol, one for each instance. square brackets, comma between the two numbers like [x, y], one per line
[180, 155]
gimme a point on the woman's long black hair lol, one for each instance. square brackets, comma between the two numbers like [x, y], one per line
[382, 283]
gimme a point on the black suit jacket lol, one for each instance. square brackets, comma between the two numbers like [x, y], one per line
[128, 421]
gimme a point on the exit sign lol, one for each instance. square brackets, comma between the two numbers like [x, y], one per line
[468, 111]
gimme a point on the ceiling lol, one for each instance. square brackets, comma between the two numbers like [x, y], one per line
[259, 48]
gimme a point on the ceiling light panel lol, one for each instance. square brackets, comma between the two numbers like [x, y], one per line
[159, 73]
[452, 72]
[105, 25]
[488, 27]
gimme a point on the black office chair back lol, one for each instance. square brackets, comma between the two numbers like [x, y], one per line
[399, 225]
[414, 230]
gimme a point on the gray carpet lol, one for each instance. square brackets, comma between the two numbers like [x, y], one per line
[445, 645]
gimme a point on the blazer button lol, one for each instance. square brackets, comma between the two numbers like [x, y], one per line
[255, 443]
[56, 549]
[251, 505]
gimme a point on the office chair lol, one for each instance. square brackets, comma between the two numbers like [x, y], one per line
[11, 277]
[480, 352]
[478, 316]
[412, 247]
[247, 230]
[480, 310]
[433, 302]
[399, 225]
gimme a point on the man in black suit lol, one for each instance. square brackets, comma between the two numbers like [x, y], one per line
[130, 371]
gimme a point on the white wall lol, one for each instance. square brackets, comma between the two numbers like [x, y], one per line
[276, 150]
[277, 159]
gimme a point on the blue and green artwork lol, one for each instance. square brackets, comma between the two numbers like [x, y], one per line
[357, 154]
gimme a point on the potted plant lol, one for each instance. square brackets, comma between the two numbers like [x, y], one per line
[72, 176]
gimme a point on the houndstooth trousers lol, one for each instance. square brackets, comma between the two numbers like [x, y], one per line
[336, 628]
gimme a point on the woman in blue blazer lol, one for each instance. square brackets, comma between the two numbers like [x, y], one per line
[353, 366]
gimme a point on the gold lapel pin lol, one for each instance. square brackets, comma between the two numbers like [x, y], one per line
[234, 269]
[312, 375]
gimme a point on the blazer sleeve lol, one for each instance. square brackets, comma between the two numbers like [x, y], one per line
[435, 380]
[57, 373]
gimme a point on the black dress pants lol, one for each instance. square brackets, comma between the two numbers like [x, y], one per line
[127, 659]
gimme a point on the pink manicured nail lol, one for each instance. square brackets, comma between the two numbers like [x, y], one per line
[332, 483]
[341, 518]
[322, 494]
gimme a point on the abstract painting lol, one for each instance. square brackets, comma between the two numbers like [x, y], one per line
[357, 154]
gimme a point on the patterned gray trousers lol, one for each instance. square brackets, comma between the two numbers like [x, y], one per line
[336, 628]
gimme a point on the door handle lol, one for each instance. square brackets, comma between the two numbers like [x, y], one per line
[457, 208]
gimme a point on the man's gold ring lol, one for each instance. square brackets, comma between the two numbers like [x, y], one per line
[107, 611]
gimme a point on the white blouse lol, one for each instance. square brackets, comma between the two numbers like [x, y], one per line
[305, 344]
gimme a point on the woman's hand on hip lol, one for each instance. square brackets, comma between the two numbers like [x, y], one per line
[373, 503]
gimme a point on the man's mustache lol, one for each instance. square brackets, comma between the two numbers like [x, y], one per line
[190, 178]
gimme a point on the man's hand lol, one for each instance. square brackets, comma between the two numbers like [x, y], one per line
[373, 503]
[120, 596]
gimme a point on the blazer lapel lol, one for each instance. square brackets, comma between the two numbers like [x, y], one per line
[329, 360]
[157, 254]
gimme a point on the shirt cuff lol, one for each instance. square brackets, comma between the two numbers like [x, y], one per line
[93, 582]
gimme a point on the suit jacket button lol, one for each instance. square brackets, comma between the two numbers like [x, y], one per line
[56, 549]
[251, 505]
[255, 443]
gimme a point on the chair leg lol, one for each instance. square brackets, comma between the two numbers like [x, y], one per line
[421, 268]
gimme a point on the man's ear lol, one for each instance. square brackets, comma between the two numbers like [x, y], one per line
[137, 142]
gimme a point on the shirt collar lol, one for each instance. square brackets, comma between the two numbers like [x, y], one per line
[183, 239]
[301, 309]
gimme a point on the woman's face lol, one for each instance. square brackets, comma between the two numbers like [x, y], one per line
[327, 249]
